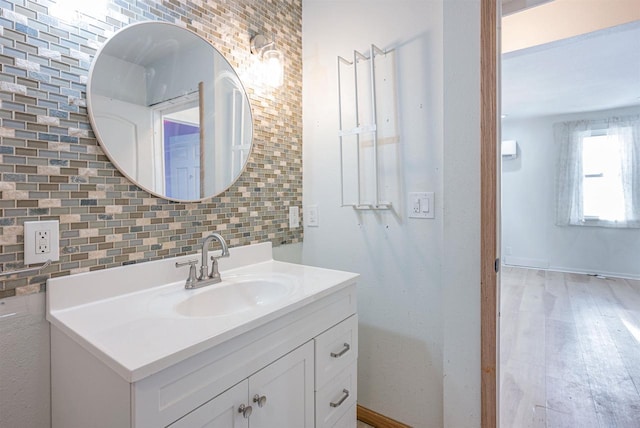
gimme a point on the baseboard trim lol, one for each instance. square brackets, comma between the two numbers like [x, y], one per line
[608, 274]
[562, 269]
[377, 420]
[526, 262]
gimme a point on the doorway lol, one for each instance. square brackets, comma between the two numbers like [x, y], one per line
[569, 345]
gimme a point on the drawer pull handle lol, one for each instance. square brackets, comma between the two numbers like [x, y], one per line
[245, 410]
[345, 395]
[341, 353]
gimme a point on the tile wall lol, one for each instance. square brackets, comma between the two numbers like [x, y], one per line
[52, 167]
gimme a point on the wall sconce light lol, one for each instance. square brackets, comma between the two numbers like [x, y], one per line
[271, 60]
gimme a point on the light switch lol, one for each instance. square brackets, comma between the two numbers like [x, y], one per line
[311, 216]
[421, 205]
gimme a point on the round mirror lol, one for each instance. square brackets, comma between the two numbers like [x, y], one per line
[169, 111]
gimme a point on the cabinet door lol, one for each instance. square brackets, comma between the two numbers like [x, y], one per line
[220, 412]
[287, 385]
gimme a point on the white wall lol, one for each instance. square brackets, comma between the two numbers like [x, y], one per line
[461, 245]
[24, 363]
[419, 287]
[529, 234]
[400, 290]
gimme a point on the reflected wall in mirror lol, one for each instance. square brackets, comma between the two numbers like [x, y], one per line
[169, 111]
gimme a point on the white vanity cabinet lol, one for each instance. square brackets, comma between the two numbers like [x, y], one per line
[304, 363]
[123, 355]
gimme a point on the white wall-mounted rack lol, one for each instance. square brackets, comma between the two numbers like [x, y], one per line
[361, 130]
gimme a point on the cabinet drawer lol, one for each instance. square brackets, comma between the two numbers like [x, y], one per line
[348, 420]
[336, 398]
[336, 348]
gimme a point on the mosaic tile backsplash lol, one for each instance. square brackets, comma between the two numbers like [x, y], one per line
[53, 168]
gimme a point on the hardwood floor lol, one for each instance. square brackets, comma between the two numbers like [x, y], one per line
[569, 350]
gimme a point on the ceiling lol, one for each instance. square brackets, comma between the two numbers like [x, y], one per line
[513, 6]
[596, 71]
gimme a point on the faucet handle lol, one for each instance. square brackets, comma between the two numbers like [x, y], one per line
[191, 280]
[215, 273]
[191, 262]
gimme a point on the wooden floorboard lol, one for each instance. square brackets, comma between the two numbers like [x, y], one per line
[569, 350]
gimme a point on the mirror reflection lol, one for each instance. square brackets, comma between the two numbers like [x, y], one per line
[169, 111]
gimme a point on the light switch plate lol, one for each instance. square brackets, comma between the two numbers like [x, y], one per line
[311, 216]
[41, 241]
[421, 205]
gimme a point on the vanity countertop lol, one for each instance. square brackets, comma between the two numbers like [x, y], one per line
[122, 315]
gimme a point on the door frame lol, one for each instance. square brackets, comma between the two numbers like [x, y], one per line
[489, 211]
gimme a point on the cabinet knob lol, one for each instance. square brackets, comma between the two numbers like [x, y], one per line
[260, 400]
[245, 410]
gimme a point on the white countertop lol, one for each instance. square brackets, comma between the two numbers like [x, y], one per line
[118, 314]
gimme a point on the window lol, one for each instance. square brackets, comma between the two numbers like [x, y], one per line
[602, 185]
[598, 173]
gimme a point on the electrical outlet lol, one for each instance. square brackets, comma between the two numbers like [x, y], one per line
[421, 205]
[43, 244]
[294, 217]
[417, 205]
[41, 241]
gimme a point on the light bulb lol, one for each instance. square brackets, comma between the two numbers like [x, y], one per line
[273, 68]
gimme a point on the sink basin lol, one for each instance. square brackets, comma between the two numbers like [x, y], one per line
[233, 295]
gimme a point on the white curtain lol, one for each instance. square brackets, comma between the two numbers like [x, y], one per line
[569, 176]
[627, 129]
[568, 137]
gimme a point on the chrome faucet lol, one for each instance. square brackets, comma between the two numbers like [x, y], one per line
[205, 277]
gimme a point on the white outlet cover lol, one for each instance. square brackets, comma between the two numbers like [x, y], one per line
[31, 256]
[294, 217]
